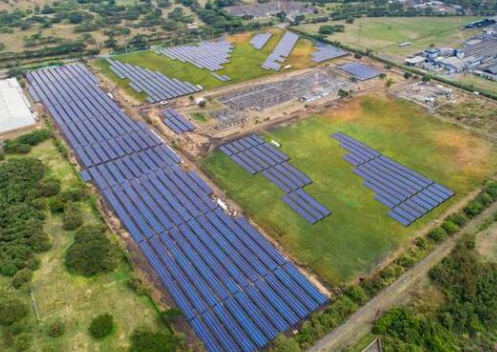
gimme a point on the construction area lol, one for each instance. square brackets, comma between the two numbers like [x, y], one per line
[429, 95]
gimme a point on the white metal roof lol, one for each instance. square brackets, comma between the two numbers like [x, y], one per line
[15, 109]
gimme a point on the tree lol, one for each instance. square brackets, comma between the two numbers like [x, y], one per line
[56, 329]
[101, 326]
[92, 252]
[425, 79]
[342, 93]
[407, 75]
[72, 217]
[11, 310]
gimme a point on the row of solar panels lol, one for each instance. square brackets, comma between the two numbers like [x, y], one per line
[235, 288]
[254, 155]
[155, 85]
[407, 193]
[176, 122]
[260, 40]
[360, 71]
[211, 55]
[281, 52]
[222, 78]
[325, 52]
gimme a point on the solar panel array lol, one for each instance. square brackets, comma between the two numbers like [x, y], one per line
[233, 286]
[211, 55]
[260, 40]
[325, 52]
[254, 155]
[360, 71]
[281, 52]
[407, 193]
[176, 122]
[222, 78]
[157, 86]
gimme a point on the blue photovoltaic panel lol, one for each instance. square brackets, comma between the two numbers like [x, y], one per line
[254, 155]
[281, 52]
[176, 122]
[407, 193]
[233, 286]
[260, 39]
[360, 71]
[210, 55]
[157, 86]
[325, 52]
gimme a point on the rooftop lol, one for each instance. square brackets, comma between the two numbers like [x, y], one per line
[15, 109]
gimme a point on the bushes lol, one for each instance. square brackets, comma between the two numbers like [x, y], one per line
[56, 329]
[23, 143]
[437, 234]
[22, 277]
[72, 217]
[48, 188]
[11, 310]
[473, 209]
[92, 252]
[152, 341]
[101, 326]
[450, 227]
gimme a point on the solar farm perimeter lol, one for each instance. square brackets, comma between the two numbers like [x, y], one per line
[245, 62]
[358, 234]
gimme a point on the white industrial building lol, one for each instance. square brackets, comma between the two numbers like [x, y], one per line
[15, 111]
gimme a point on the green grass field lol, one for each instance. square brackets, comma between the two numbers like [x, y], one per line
[245, 63]
[358, 234]
[73, 299]
[384, 34]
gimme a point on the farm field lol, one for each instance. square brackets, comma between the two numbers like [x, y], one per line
[384, 34]
[245, 62]
[359, 234]
[73, 299]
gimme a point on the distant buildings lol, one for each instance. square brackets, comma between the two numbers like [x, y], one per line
[15, 111]
[477, 55]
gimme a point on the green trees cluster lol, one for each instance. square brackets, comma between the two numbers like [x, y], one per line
[23, 143]
[101, 326]
[143, 340]
[465, 321]
[21, 219]
[92, 252]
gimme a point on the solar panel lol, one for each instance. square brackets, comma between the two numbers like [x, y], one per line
[325, 52]
[281, 51]
[360, 71]
[254, 155]
[233, 286]
[407, 193]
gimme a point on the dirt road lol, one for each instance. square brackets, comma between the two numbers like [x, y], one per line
[359, 324]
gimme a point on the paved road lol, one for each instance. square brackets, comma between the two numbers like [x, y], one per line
[359, 324]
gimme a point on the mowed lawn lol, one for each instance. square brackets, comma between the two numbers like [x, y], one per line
[245, 62]
[385, 33]
[358, 234]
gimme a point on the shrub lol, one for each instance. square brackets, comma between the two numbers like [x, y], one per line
[101, 326]
[11, 310]
[2, 156]
[171, 315]
[92, 252]
[152, 341]
[450, 227]
[458, 218]
[21, 278]
[72, 218]
[473, 209]
[420, 242]
[17, 148]
[356, 294]
[23, 342]
[34, 138]
[73, 195]
[406, 261]
[48, 188]
[56, 329]
[438, 234]
[57, 205]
